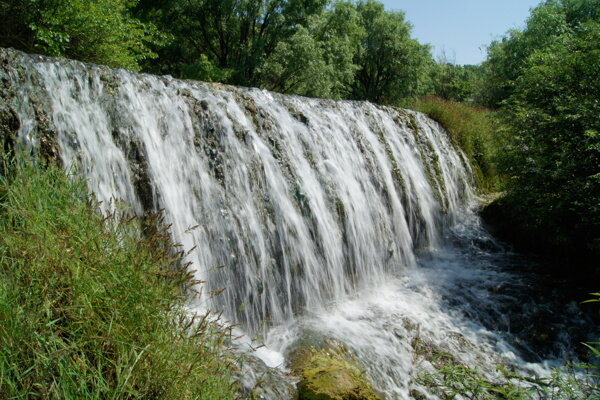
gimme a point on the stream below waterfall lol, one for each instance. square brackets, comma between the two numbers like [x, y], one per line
[471, 300]
[330, 221]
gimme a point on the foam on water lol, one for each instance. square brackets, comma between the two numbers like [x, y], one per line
[342, 218]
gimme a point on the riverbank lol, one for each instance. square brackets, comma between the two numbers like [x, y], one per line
[92, 306]
[478, 133]
[566, 259]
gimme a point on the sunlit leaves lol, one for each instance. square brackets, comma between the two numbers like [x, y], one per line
[100, 31]
[547, 25]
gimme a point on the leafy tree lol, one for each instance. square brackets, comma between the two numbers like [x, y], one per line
[297, 66]
[100, 31]
[224, 38]
[317, 61]
[552, 157]
[545, 79]
[319, 48]
[340, 33]
[322, 48]
[508, 57]
[454, 82]
[391, 63]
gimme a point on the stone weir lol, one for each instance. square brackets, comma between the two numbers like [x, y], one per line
[287, 203]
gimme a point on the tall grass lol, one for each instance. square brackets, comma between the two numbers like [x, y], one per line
[471, 128]
[89, 307]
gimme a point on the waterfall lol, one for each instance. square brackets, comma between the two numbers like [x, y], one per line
[343, 218]
[287, 202]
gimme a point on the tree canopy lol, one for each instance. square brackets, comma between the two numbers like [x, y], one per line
[391, 64]
[545, 82]
[508, 56]
[100, 31]
[322, 48]
[317, 60]
[552, 158]
[340, 49]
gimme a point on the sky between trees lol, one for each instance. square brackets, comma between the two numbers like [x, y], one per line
[460, 30]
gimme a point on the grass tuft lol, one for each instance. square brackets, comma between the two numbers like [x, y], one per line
[91, 308]
[458, 381]
[472, 129]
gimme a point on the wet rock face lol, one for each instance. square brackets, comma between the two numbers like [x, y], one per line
[9, 125]
[138, 164]
[9, 121]
[44, 134]
[330, 373]
[260, 382]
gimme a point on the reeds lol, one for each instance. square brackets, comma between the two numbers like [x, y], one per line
[91, 306]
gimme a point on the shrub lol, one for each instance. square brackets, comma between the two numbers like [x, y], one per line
[552, 153]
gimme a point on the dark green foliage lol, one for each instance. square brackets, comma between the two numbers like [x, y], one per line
[345, 50]
[216, 39]
[90, 309]
[391, 64]
[321, 48]
[545, 81]
[99, 31]
[318, 60]
[454, 82]
[552, 143]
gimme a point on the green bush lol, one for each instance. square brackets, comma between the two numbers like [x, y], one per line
[89, 307]
[551, 156]
[507, 58]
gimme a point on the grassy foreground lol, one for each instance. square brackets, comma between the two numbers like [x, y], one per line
[472, 129]
[89, 307]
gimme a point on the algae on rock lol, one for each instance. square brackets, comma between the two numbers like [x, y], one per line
[331, 374]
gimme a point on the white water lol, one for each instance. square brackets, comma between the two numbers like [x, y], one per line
[342, 219]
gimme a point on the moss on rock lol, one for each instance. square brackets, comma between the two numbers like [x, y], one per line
[331, 374]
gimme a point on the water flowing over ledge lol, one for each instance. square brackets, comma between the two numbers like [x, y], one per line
[300, 200]
[342, 218]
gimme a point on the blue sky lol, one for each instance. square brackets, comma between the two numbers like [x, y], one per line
[460, 29]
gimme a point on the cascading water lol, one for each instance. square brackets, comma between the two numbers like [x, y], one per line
[301, 200]
[341, 218]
